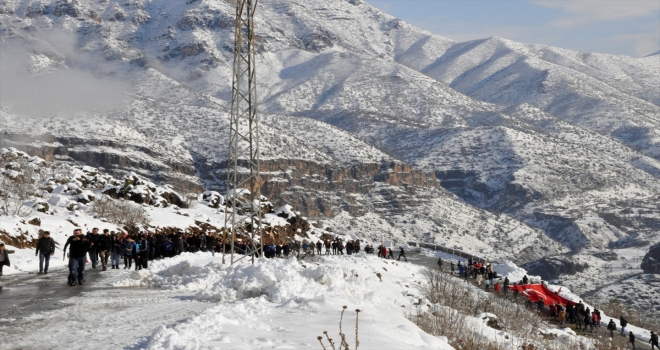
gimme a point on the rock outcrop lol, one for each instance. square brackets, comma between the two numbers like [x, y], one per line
[651, 261]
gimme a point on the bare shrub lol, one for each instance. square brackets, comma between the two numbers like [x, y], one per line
[190, 200]
[120, 212]
[17, 187]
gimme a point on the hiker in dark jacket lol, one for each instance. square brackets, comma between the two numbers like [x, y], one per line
[92, 238]
[141, 252]
[631, 339]
[77, 257]
[45, 249]
[654, 341]
[588, 321]
[611, 327]
[402, 253]
[116, 250]
[4, 258]
[624, 323]
[127, 248]
[104, 247]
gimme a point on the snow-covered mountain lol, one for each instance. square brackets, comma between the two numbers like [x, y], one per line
[378, 126]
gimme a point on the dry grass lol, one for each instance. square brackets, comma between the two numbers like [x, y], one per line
[343, 342]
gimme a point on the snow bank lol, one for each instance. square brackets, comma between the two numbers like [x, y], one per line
[285, 303]
[513, 272]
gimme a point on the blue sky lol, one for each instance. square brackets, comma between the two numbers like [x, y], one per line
[630, 27]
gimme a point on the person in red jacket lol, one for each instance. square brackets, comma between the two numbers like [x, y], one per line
[595, 318]
[498, 287]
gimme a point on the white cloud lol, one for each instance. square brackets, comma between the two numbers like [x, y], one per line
[584, 11]
[643, 43]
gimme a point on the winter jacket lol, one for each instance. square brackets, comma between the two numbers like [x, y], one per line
[595, 318]
[79, 246]
[116, 246]
[46, 245]
[141, 246]
[128, 247]
[4, 258]
[562, 316]
[623, 322]
[169, 246]
[631, 337]
[654, 339]
[93, 239]
[104, 243]
[611, 326]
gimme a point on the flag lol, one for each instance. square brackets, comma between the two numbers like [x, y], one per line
[536, 292]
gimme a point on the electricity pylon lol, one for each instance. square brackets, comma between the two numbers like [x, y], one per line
[243, 158]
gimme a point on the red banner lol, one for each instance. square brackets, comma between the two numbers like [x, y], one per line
[536, 292]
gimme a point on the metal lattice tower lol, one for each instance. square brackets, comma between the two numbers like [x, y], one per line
[243, 158]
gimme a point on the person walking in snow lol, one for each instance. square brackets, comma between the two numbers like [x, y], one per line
[624, 323]
[588, 321]
[319, 246]
[116, 250]
[141, 253]
[480, 279]
[402, 253]
[440, 264]
[525, 280]
[487, 283]
[92, 237]
[595, 319]
[127, 249]
[4, 258]
[561, 314]
[45, 249]
[104, 247]
[631, 339]
[654, 341]
[611, 327]
[77, 256]
[390, 254]
[452, 268]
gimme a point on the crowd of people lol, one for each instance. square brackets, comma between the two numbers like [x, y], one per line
[111, 248]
